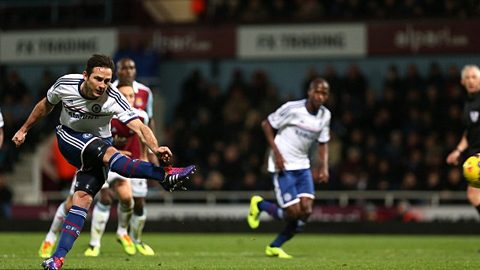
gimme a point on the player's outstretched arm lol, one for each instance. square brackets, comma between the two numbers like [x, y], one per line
[146, 136]
[454, 157]
[42, 109]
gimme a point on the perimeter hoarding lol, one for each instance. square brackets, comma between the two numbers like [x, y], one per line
[302, 41]
[48, 46]
[442, 37]
[183, 42]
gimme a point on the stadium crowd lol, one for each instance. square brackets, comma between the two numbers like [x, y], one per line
[132, 12]
[394, 141]
[321, 10]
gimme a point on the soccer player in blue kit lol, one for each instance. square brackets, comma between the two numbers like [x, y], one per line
[89, 102]
[290, 132]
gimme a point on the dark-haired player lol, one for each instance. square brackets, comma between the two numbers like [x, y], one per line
[290, 132]
[89, 102]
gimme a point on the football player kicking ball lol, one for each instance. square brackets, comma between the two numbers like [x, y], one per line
[126, 189]
[298, 124]
[89, 102]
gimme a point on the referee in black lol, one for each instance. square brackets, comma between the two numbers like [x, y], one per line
[470, 140]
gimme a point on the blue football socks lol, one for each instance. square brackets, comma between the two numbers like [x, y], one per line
[293, 227]
[135, 168]
[272, 209]
[71, 228]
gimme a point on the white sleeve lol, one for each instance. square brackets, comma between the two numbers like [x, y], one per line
[1, 120]
[280, 117]
[53, 96]
[324, 136]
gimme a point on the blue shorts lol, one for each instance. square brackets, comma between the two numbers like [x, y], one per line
[291, 185]
[72, 145]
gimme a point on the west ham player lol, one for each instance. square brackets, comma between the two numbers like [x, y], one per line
[298, 124]
[470, 141]
[88, 104]
[126, 73]
[122, 136]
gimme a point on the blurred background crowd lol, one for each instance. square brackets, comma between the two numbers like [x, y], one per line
[72, 13]
[393, 138]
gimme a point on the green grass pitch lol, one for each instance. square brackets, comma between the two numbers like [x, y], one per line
[246, 251]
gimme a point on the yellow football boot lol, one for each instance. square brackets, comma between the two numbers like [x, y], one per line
[254, 213]
[46, 249]
[277, 252]
[144, 249]
[127, 244]
[92, 251]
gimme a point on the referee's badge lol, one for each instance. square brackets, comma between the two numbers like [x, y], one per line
[474, 116]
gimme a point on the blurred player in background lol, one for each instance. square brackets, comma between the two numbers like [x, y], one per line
[290, 132]
[470, 141]
[126, 74]
[89, 102]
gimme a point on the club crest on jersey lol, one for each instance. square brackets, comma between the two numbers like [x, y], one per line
[96, 108]
[474, 116]
[87, 135]
[138, 102]
[287, 196]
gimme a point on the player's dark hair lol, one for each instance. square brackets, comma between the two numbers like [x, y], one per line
[122, 84]
[123, 60]
[99, 60]
[316, 82]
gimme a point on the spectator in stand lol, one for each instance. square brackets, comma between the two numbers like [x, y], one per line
[309, 76]
[255, 11]
[14, 87]
[281, 10]
[413, 79]
[215, 181]
[387, 177]
[351, 169]
[334, 80]
[435, 77]
[309, 10]
[354, 9]
[225, 10]
[411, 9]
[455, 181]
[393, 80]
[356, 86]
[434, 181]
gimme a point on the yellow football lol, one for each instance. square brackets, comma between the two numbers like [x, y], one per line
[471, 170]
